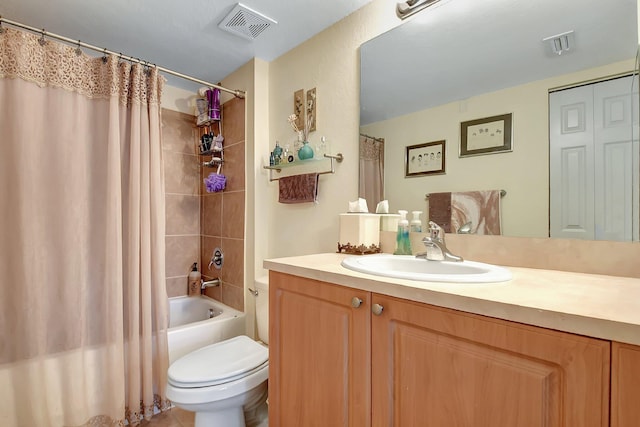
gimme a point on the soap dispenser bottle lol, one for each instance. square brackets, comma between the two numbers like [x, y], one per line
[416, 223]
[403, 245]
[194, 280]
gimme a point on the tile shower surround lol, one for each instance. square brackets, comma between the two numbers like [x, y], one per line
[198, 221]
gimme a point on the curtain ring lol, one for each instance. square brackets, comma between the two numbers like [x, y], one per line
[41, 40]
[78, 51]
[104, 56]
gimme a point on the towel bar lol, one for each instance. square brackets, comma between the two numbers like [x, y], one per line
[502, 194]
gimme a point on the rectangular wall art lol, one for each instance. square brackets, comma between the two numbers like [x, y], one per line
[425, 159]
[486, 136]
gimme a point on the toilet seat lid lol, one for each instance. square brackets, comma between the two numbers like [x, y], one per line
[218, 363]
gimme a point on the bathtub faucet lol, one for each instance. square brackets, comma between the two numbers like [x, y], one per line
[208, 284]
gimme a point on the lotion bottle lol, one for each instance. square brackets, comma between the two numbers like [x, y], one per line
[416, 223]
[403, 244]
[194, 280]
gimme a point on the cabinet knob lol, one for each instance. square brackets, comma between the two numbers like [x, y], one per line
[377, 309]
[356, 302]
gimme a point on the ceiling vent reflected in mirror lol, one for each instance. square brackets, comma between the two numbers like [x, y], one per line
[245, 22]
[407, 8]
[561, 43]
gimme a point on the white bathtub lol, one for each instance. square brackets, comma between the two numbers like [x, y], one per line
[190, 325]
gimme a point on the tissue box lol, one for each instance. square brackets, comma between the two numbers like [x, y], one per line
[358, 229]
[389, 222]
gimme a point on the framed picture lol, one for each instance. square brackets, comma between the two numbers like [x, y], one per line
[486, 136]
[425, 159]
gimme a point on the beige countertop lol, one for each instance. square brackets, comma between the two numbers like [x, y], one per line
[606, 307]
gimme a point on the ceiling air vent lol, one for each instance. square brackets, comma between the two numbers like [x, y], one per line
[245, 22]
[561, 43]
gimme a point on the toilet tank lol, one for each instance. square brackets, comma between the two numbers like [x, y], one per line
[262, 308]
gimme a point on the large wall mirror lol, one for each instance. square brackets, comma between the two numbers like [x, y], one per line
[462, 60]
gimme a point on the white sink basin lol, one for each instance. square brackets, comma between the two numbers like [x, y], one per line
[412, 268]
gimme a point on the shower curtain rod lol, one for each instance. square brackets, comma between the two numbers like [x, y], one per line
[372, 137]
[236, 92]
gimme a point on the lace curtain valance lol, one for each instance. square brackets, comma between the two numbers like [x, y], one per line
[47, 63]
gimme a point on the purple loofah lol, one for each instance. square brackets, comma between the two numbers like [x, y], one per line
[215, 182]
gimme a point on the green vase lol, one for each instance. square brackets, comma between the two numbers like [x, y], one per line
[305, 152]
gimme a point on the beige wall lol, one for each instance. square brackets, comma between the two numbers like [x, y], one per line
[523, 173]
[178, 99]
[330, 63]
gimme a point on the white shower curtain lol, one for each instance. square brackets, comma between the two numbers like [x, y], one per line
[83, 305]
[371, 180]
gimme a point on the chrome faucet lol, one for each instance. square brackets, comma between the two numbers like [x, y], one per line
[465, 228]
[436, 248]
[208, 284]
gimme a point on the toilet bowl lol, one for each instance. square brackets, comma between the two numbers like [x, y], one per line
[223, 381]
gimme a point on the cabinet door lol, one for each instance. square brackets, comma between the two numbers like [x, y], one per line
[319, 354]
[439, 367]
[625, 385]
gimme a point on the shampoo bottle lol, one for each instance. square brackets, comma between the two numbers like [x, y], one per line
[416, 223]
[403, 245]
[194, 280]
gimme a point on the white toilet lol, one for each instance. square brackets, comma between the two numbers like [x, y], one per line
[222, 381]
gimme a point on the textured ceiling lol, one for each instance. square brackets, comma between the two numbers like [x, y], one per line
[181, 35]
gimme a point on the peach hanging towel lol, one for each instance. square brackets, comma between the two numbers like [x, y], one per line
[298, 188]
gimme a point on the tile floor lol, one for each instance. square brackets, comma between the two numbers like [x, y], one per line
[174, 417]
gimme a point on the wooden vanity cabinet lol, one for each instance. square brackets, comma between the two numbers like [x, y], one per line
[319, 353]
[438, 367]
[385, 361]
[625, 385]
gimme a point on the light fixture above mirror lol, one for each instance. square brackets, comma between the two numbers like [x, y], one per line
[407, 8]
